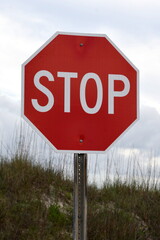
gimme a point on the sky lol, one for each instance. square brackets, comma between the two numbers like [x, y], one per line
[132, 25]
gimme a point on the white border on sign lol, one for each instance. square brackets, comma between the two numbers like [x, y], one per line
[22, 91]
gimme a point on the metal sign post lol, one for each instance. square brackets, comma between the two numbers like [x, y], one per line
[80, 197]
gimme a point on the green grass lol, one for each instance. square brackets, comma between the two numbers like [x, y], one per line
[37, 203]
[29, 202]
[125, 212]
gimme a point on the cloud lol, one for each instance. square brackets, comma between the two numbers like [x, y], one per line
[130, 17]
[145, 134]
[15, 47]
[146, 57]
[9, 117]
[132, 25]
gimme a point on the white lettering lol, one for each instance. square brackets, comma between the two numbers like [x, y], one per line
[43, 89]
[98, 104]
[112, 93]
[67, 88]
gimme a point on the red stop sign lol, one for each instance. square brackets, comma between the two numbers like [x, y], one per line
[79, 92]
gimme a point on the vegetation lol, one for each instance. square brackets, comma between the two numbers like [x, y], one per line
[36, 203]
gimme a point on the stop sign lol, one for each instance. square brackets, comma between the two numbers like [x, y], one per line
[79, 92]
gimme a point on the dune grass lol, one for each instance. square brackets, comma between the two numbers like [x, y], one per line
[36, 201]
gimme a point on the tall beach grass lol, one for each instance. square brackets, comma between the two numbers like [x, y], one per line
[36, 192]
[126, 165]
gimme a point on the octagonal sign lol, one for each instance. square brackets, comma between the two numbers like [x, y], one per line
[79, 92]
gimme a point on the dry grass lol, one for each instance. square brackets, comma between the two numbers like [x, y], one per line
[36, 199]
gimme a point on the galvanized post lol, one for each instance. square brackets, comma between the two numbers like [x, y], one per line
[80, 197]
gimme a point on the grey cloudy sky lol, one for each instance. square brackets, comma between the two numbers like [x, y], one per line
[132, 25]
